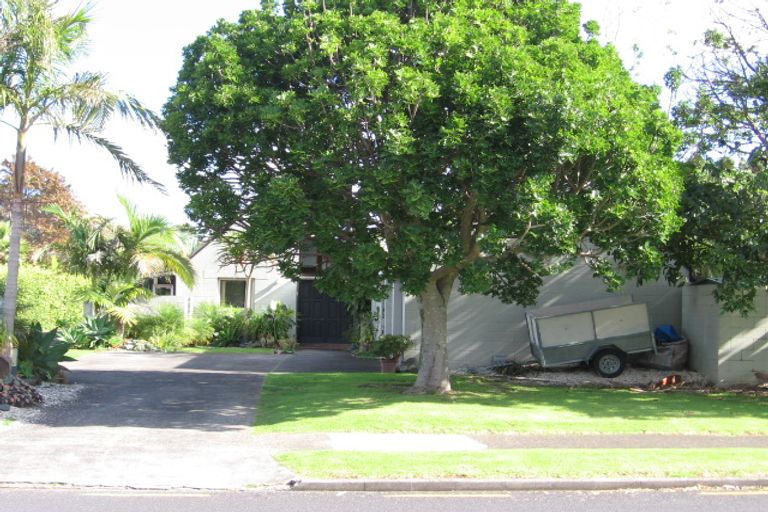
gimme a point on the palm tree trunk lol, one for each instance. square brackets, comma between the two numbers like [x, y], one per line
[14, 251]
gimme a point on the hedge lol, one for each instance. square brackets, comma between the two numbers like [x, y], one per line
[47, 296]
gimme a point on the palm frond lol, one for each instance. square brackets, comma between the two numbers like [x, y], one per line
[171, 261]
[129, 208]
[91, 103]
[128, 167]
[154, 245]
[148, 264]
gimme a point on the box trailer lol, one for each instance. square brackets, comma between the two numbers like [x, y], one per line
[601, 333]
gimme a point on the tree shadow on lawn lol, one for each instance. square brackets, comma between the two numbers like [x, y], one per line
[376, 403]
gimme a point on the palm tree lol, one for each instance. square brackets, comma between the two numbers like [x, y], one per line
[149, 245]
[36, 47]
[118, 258]
[114, 298]
[5, 242]
[92, 247]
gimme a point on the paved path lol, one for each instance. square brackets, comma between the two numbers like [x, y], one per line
[159, 420]
[408, 443]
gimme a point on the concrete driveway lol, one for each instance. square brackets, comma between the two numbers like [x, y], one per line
[157, 421]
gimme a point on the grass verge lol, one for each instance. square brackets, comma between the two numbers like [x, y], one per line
[74, 354]
[366, 402]
[226, 350]
[534, 463]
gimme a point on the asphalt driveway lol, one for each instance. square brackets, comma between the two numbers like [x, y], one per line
[159, 420]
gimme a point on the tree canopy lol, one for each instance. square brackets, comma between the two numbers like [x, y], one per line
[491, 142]
[42, 187]
[725, 120]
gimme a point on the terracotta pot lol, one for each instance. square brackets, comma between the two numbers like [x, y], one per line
[389, 365]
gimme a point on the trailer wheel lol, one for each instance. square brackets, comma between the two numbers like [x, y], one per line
[609, 362]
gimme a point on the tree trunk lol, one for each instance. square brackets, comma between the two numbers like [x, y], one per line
[14, 250]
[433, 364]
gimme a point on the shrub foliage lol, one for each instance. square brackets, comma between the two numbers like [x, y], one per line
[47, 296]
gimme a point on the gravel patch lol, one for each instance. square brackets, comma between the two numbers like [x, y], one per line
[54, 395]
[581, 376]
[631, 377]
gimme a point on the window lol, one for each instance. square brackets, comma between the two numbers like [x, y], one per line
[233, 293]
[162, 285]
[311, 261]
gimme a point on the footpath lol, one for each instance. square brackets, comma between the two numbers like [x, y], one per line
[446, 443]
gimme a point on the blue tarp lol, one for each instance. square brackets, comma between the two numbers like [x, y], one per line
[666, 334]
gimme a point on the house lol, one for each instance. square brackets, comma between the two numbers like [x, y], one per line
[322, 319]
[482, 331]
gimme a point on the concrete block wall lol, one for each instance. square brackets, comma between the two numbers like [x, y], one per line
[482, 329]
[726, 348]
[701, 326]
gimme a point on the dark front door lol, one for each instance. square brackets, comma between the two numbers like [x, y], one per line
[322, 319]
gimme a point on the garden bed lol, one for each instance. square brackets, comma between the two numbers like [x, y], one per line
[54, 395]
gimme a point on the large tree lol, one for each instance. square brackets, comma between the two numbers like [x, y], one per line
[724, 114]
[429, 142]
[38, 46]
[42, 187]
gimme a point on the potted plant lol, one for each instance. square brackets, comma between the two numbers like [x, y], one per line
[390, 349]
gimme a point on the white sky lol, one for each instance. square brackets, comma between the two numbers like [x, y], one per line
[138, 43]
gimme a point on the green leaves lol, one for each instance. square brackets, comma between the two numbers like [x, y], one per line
[411, 140]
[111, 254]
[725, 123]
[40, 353]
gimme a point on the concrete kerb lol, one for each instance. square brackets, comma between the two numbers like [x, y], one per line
[447, 485]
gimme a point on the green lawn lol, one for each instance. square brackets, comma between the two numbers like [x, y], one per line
[538, 463]
[366, 402]
[226, 350]
[78, 353]
[74, 354]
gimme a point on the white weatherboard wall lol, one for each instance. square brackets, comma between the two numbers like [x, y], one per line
[725, 347]
[266, 284]
[483, 330]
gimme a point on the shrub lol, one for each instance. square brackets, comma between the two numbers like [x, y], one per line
[390, 346]
[227, 330]
[40, 352]
[48, 297]
[252, 326]
[287, 345]
[167, 319]
[74, 337]
[199, 331]
[94, 332]
[225, 326]
[278, 321]
[168, 341]
[223, 323]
